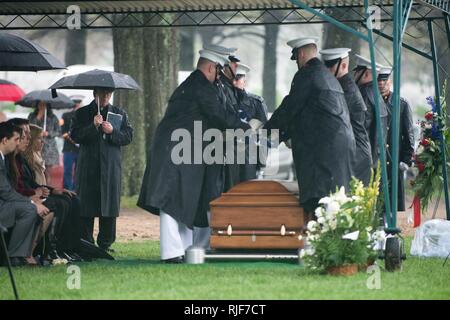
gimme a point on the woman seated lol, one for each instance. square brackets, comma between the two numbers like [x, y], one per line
[13, 173]
[70, 243]
[29, 170]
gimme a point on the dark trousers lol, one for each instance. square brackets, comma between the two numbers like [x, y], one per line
[70, 239]
[107, 230]
[70, 162]
[23, 230]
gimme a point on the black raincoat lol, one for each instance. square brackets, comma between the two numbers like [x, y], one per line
[99, 166]
[371, 125]
[184, 190]
[362, 162]
[315, 117]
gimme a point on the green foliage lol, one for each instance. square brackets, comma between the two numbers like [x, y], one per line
[128, 203]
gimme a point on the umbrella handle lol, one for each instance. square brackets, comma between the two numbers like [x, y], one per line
[98, 104]
[45, 119]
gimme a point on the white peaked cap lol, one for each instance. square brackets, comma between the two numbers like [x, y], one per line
[221, 50]
[384, 70]
[242, 69]
[213, 57]
[300, 42]
[334, 53]
[363, 62]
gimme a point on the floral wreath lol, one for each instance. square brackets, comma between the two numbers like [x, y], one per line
[428, 158]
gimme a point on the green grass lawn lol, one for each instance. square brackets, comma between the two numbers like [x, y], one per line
[138, 274]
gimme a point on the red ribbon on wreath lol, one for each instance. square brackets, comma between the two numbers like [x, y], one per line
[416, 208]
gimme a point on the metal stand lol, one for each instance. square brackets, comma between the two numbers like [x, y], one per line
[8, 262]
[199, 256]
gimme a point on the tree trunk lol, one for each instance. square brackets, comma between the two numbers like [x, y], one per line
[128, 59]
[187, 49]
[161, 61]
[76, 47]
[270, 66]
[334, 37]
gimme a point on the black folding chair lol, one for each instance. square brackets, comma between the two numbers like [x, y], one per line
[8, 262]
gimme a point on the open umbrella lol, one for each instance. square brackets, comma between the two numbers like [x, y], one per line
[20, 54]
[97, 79]
[30, 100]
[10, 91]
[89, 250]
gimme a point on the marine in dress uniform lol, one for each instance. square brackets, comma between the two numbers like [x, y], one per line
[180, 193]
[314, 115]
[406, 138]
[364, 80]
[337, 61]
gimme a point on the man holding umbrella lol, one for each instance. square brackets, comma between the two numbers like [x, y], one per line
[99, 167]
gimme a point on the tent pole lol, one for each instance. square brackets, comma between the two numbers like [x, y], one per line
[437, 93]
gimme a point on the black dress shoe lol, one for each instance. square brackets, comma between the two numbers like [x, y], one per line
[175, 260]
[75, 257]
[45, 262]
[108, 249]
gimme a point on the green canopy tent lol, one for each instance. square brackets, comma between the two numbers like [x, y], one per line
[398, 16]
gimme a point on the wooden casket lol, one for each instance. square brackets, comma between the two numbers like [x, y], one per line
[258, 214]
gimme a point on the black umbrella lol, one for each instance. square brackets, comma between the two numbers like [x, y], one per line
[61, 101]
[89, 250]
[97, 79]
[20, 54]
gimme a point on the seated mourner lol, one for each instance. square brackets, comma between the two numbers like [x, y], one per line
[18, 213]
[63, 236]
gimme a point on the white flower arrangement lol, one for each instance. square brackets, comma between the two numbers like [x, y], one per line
[343, 233]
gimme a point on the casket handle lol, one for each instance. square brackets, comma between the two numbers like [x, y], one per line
[255, 232]
[229, 230]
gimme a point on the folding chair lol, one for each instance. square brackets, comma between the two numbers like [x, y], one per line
[8, 262]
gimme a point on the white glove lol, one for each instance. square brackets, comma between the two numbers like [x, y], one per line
[255, 124]
[403, 166]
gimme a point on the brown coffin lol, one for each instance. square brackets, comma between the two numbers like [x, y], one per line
[258, 214]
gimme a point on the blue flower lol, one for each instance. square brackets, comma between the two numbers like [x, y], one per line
[430, 101]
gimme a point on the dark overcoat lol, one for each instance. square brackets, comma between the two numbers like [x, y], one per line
[99, 166]
[314, 115]
[362, 162]
[184, 190]
[368, 95]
